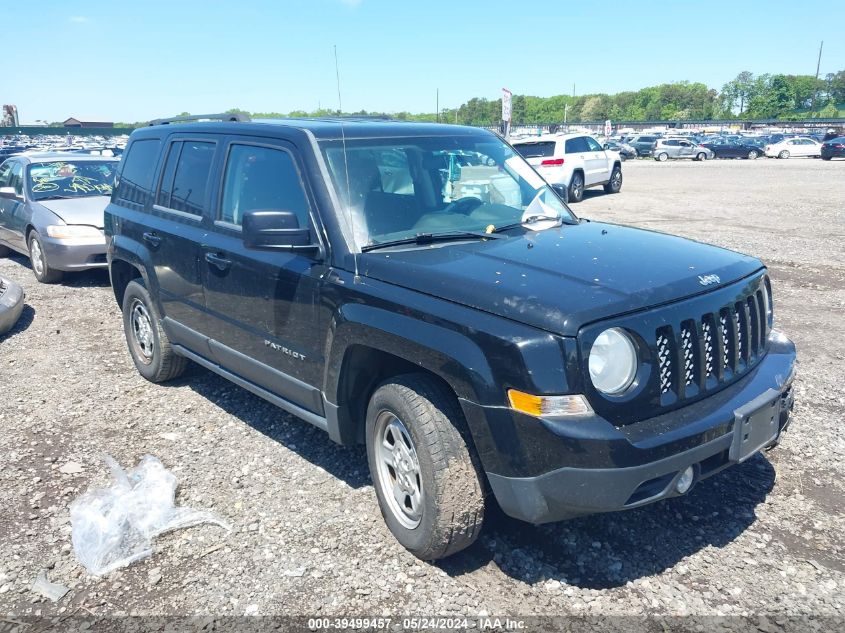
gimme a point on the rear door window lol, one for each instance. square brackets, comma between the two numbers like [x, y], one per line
[190, 167]
[577, 145]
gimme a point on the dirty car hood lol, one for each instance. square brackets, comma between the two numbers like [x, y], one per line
[563, 278]
[82, 210]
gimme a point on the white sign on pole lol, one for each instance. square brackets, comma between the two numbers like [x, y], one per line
[607, 128]
[506, 104]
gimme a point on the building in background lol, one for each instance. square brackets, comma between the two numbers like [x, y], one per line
[72, 122]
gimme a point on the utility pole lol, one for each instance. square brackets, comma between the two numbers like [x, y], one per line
[438, 105]
[815, 89]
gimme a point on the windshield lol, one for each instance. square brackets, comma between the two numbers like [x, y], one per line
[398, 188]
[70, 178]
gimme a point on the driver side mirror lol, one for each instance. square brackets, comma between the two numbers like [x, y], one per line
[275, 230]
[8, 193]
[562, 191]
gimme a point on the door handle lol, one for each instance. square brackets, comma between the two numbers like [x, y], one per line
[151, 238]
[218, 261]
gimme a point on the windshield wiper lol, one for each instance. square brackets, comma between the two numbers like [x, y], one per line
[428, 238]
[529, 220]
[53, 198]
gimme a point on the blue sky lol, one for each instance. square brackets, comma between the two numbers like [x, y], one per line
[132, 61]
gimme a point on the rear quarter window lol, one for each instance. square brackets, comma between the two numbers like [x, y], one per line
[135, 181]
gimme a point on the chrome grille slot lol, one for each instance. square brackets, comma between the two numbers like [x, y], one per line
[761, 312]
[665, 357]
[688, 353]
[710, 346]
[753, 321]
[726, 335]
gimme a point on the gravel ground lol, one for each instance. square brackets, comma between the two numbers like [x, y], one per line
[762, 538]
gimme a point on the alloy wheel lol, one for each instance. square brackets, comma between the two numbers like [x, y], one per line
[36, 256]
[143, 340]
[398, 469]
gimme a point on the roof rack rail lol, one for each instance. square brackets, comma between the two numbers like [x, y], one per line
[225, 116]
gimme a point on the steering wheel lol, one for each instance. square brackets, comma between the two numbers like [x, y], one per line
[465, 205]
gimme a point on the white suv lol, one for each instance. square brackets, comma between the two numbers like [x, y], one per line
[575, 161]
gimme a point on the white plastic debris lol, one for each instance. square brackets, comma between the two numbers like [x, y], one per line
[113, 527]
[51, 590]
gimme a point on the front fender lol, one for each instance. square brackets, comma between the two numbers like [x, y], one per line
[444, 352]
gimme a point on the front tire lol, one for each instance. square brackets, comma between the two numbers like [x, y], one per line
[148, 344]
[753, 154]
[576, 187]
[615, 184]
[423, 470]
[38, 259]
[701, 156]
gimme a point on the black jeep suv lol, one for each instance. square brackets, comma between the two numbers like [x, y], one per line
[420, 289]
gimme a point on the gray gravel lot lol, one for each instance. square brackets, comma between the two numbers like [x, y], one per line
[766, 537]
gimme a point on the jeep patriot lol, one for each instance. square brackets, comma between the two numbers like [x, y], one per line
[420, 289]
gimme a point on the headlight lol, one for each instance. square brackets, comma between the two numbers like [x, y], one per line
[71, 231]
[613, 361]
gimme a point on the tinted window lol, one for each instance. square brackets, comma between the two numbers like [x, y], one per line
[5, 174]
[190, 181]
[593, 144]
[261, 178]
[166, 188]
[541, 149]
[672, 142]
[17, 178]
[138, 167]
[577, 144]
[647, 139]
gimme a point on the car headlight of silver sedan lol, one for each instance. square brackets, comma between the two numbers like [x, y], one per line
[613, 361]
[72, 231]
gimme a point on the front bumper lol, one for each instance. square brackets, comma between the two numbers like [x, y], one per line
[589, 465]
[75, 254]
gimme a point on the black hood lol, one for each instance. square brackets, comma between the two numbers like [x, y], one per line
[562, 278]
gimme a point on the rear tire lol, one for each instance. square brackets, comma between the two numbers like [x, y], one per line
[662, 157]
[424, 473]
[615, 184]
[4, 251]
[753, 154]
[576, 187]
[38, 259]
[783, 154]
[148, 344]
[823, 158]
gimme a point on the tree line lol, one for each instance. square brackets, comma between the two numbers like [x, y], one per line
[766, 96]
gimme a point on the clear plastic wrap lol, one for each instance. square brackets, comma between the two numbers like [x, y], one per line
[114, 527]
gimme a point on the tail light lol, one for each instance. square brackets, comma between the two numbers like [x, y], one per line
[552, 162]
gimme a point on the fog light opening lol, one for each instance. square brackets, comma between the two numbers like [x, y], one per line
[685, 480]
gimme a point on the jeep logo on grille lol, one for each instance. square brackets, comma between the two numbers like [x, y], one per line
[706, 280]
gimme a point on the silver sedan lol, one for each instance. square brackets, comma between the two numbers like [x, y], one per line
[51, 209]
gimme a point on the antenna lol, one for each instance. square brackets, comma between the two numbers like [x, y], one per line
[345, 164]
